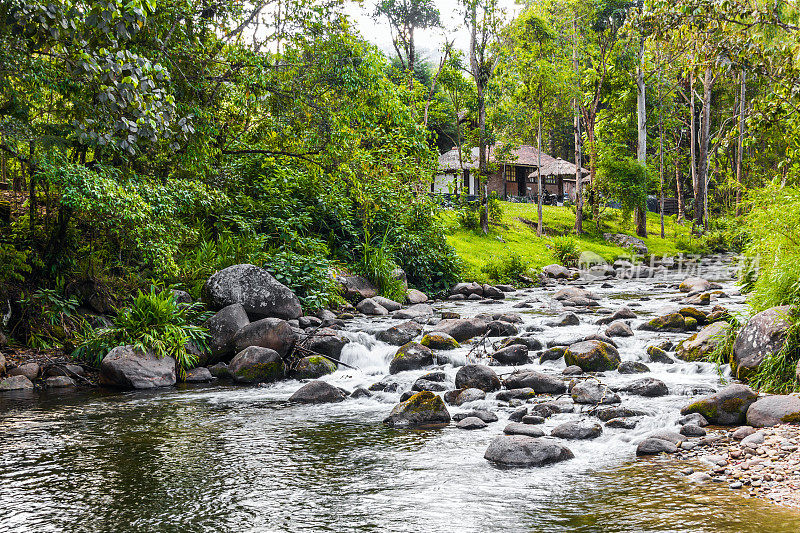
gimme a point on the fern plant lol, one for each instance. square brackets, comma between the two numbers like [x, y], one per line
[154, 322]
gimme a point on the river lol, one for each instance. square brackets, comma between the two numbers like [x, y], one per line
[231, 458]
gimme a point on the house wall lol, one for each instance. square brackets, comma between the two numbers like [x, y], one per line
[446, 183]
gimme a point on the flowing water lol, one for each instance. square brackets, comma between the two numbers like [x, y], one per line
[227, 458]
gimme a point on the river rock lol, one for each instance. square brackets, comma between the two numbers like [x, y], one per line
[572, 370]
[199, 374]
[356, 288]
[439, 341]
[480, 414]
[360, 392]
[424, 409]
[627, 241]
[415, 311]
[658, 355]
[774, 410]
[540, 383]
[400, 334]
[693, 418]
[260, 294]
[256, 364]
[467, 395]
[592, 392]
[700, 345]
[648, 387]
[618, 411]
[691, 430]
[219, 370]
[519, 414]
[622, 423]
[463, 329]
[68, 370]
[369, 306]
[572, 293]
[592, 356]
[422, 384]
[2, 364]
[652, 446]
[703, 298]
[693, 312]
[618, 328]
[272, 333]
[753, 441]
[499, 328]
[519, 450]
[516, 354]
[327, 341]
[632, 367]
[565, 319]
[127, 368]
[694, 284]
[764, 333]
[471, 422]
[623, 313]
[477, 376]
[600, 337]
[524, 393]
[577, 431]
[726, 408]
[552, 354]
[19, 382]
[413, 296]
[411, 356]
[318, 392]
[386, 303]
[742, 432]
[547, 409]
[556, 271]
[490, 291]
[531, 343]
[313, 367]
[29, 370]
[515, 428]
[672, 322]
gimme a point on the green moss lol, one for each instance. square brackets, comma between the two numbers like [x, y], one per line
[262, 372]
[423, 402]
[438, 341]
[693, 312]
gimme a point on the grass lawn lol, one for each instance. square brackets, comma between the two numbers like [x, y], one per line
[520, 238]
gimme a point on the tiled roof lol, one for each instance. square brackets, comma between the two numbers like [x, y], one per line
[525, 155]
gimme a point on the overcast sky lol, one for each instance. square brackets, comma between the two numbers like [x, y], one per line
[428, 42]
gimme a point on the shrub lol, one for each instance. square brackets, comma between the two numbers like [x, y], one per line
[565, 251]
[508, 269]
[155, 322]
[308, 276]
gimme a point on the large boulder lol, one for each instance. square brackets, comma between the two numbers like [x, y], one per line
[556, 271]
[694, 284]
[478, 377]
[700, 345]
[19, 382]
[326, 341]
[727, 407]
[763, 334]
[627, 241]
[260, 294]
[672, 322]
[516, 354]
[411, 356]
[313, 367]
[439, 341]
[272, 333]
[317, 392]
[467, 288]
[592, 356]
[386, 303]
[222, 328]
[255, 364]
[577, 431]
[413, 296]
[29, 370]
[424, 409]
[653, 446]
[463, 329]
[540, 383]
[618, 328]
[356, 288]
[128, 368]
[400, 334]
[519, 450]
[774, 410]
[649, 387]
[369, 306]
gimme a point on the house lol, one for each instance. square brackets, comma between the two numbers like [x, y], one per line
[515, 175]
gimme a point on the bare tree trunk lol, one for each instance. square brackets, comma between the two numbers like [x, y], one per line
[705, 130]
[641, 146]
[483, 163]
[692, 141]
[539, 229]
[660, 151]
[678, 185]
[578, 139]
[740, 144]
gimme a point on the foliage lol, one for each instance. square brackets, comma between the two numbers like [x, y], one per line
[507, 269]
[154, 322]
[777, 373]
[54, 314]
[565, 251]
[13, 264]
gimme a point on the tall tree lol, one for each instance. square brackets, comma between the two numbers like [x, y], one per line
[405, 18]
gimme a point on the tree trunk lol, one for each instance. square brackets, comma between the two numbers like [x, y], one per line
[483, 164]
[593, 196]
[705, 130]
[740, 144]
[692, 142]
[32, 196]
[678, 186]
[539, 229]
[578, 139]
[641, 146]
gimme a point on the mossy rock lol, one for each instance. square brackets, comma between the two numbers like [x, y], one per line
[700, 345]
[410, 356]
[439, 341]
[674, 322]
[690, 323]
[256, 365]
[424, 409]
[592, 356]
[693, 312]
[313, 367]
[727, 407]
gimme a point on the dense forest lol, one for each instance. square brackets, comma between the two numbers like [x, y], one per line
[147, 144]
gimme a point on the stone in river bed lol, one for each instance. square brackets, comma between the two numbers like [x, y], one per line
[413, 296]
[486, 416]
[556, 271]
[222, 328]
[471, 422]
[572, 370]
[500, 328]
[763, 333]
[701, 344]
[742, 432]
[413, 312]
[691, 430]
[256, 365]
[368, 306]
[19, 382]
[565, 319]
[622, 423]
[694, 284]
[327, 341]
[386, 303]
[547, 409]
[531, 419]
[618, 328]
[411, 356]
[468, 395]
[552, 354]
[198, 375]
[648, 387]
[518, 414]
[424, 384]
[632, 367]
[477, 376]
[400, 334]
[592, 392]
[253, 287]
[754, 440]
[726, 407]
[607, 413]
[540, 383]
[652, 446]
[773, 410]
[516, 394]
[531, 343]
[29, 370]
[462, 329]
[515, 428]
[313, 367]
[694, 418]
[516, 354]
[577, 430]
[673, 322]
[592, 356]
[128, 368]
[272, 333]
[219, 370]
[439, 341]
[318, 392]
[424, 409]
[656, 354]
[59, 382]
[519, 450]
